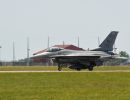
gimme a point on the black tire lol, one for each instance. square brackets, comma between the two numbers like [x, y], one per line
[78, 69]
[90, 68]
[59, 68]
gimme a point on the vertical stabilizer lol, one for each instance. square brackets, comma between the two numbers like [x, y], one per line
[107, 44]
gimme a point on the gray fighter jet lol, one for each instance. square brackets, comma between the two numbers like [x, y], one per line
[83, 59]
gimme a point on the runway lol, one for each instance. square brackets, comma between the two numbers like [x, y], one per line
[108, 71]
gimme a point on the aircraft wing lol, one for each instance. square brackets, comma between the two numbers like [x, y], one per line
[80, 55]
[74, 56]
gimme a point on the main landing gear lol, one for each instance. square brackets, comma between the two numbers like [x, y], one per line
[90, 68]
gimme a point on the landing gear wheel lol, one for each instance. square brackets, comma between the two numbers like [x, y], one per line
[59, 67]
[78, 69]
[90, 68]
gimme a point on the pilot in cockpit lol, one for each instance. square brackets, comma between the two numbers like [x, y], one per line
[54, 49]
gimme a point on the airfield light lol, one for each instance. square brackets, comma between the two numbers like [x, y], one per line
[28, 50]
[13, 53]
[0, 55]
[78, 41]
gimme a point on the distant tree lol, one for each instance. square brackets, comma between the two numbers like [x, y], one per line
[124, 54]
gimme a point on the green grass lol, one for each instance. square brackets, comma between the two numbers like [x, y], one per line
[112, 68]
[65, 86]
[27, 68]
[53, 68]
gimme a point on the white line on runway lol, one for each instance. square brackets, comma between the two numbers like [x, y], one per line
[63, 71]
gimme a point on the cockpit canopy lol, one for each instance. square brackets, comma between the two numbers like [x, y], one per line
[54, 49]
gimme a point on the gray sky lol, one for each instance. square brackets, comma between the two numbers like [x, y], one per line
[61, 20]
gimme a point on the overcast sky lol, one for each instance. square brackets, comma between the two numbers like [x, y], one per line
[61, 20]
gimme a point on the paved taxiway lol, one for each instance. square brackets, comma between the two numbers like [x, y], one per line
[63, 71]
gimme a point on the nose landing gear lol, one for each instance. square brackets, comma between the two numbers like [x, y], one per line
[59, 67]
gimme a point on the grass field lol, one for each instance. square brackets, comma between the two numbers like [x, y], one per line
[66, 86]
[54, 68]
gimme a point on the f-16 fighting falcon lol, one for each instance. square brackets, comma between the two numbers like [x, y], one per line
[83, 59]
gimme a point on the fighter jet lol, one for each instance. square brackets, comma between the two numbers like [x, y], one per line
[88, 59]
